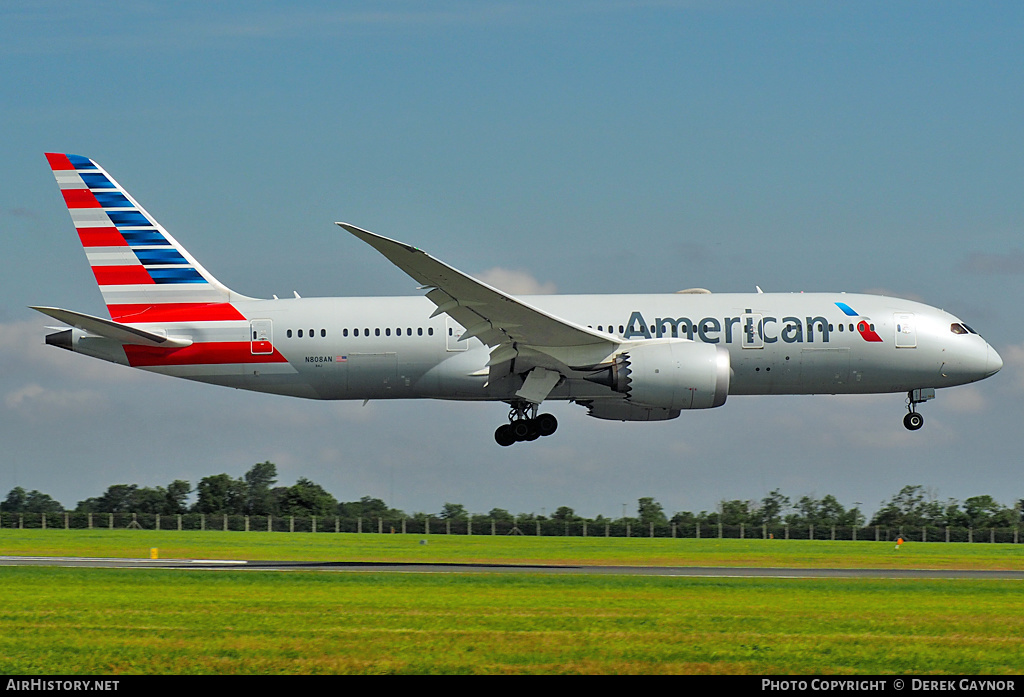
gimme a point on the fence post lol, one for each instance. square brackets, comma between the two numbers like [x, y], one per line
[67, 527]
[538, 528]
[584, 528]
[607, 529]
[111, 521]
[291, 523]
[380, 525]
[742, 532]
[719, 530]
[970, 534]
[492, 527]
[833, 533]
[447, 526]
[426, 526]
[947, 533]
[403, 526]
[179, 522]
[202, 521]
[359, 524]
[225, 522]
[698, 531]
[876, 534]
[314, 523]
[787, 531]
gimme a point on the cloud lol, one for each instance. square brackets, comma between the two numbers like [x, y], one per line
[1013, 362]
[516, 282]
[1010, 263]
[34, 396]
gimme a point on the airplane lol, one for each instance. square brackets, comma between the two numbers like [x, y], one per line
[622, 357]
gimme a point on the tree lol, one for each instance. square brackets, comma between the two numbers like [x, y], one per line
[566, 514]
[734, 512]
[15, 501]
[35, 501]
[306, 498]
[368, 507]
[500, 515]
[772, 508]
[985, 512]
[453, 511]
[650, 511]
[259, 484]
[219, 493]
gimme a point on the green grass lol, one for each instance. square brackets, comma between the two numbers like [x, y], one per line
[512, 550]
[109, 621]
[122, 621]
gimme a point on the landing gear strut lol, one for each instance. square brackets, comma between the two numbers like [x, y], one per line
[525, 424]
[913, 420]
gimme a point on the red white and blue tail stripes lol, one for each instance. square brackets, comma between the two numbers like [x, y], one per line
[143, 273]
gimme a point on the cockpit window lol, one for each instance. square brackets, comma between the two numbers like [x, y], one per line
[969, 329]
[957, 328]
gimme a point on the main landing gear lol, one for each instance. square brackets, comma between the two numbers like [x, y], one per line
[525, 424]
[913, 420]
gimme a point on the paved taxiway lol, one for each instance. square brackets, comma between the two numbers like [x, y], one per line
[417, 567]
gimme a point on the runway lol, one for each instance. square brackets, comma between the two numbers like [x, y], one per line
[450, 568]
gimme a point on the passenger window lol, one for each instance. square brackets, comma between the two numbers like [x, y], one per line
[387, 331]
[430, 331]
[310, 333]
[323, 332]
[419, 331]
[300, 333]
[289, 333]
[344, 332]
[376, 332]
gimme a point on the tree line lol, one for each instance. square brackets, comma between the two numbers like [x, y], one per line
[256, 494]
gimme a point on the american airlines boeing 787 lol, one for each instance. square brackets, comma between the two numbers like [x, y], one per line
[623, 357]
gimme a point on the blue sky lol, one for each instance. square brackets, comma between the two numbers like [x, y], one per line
[585, 147]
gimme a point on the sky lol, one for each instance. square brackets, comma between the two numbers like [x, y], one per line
[570, 147]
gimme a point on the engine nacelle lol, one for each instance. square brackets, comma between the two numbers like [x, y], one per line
[671, 374]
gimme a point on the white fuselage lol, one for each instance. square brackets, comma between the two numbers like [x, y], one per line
[391, 348]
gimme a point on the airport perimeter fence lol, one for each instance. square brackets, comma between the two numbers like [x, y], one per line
[479, 525]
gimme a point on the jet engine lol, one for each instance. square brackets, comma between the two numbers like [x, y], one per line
[670, 374]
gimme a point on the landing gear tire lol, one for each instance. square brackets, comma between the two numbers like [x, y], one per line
[546, 424]
[523, 428]
[503, 436]
[913, 421]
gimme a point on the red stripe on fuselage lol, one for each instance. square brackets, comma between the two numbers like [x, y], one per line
[121, 275]
[210, 353]
[79, 198]
[101, 237]
[175, 312]
[58, 161]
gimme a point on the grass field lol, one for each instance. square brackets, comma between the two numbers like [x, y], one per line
[111, 621]
[509, 550]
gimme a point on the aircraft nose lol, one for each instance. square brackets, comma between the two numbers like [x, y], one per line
[993, 362]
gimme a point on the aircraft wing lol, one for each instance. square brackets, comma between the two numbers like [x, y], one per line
[491, 315]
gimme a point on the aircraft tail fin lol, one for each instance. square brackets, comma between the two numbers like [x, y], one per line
[144, 274]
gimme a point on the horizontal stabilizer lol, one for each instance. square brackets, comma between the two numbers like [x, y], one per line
[112, 330]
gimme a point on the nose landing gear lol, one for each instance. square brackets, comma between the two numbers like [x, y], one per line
[525, 425]
[913, 421]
